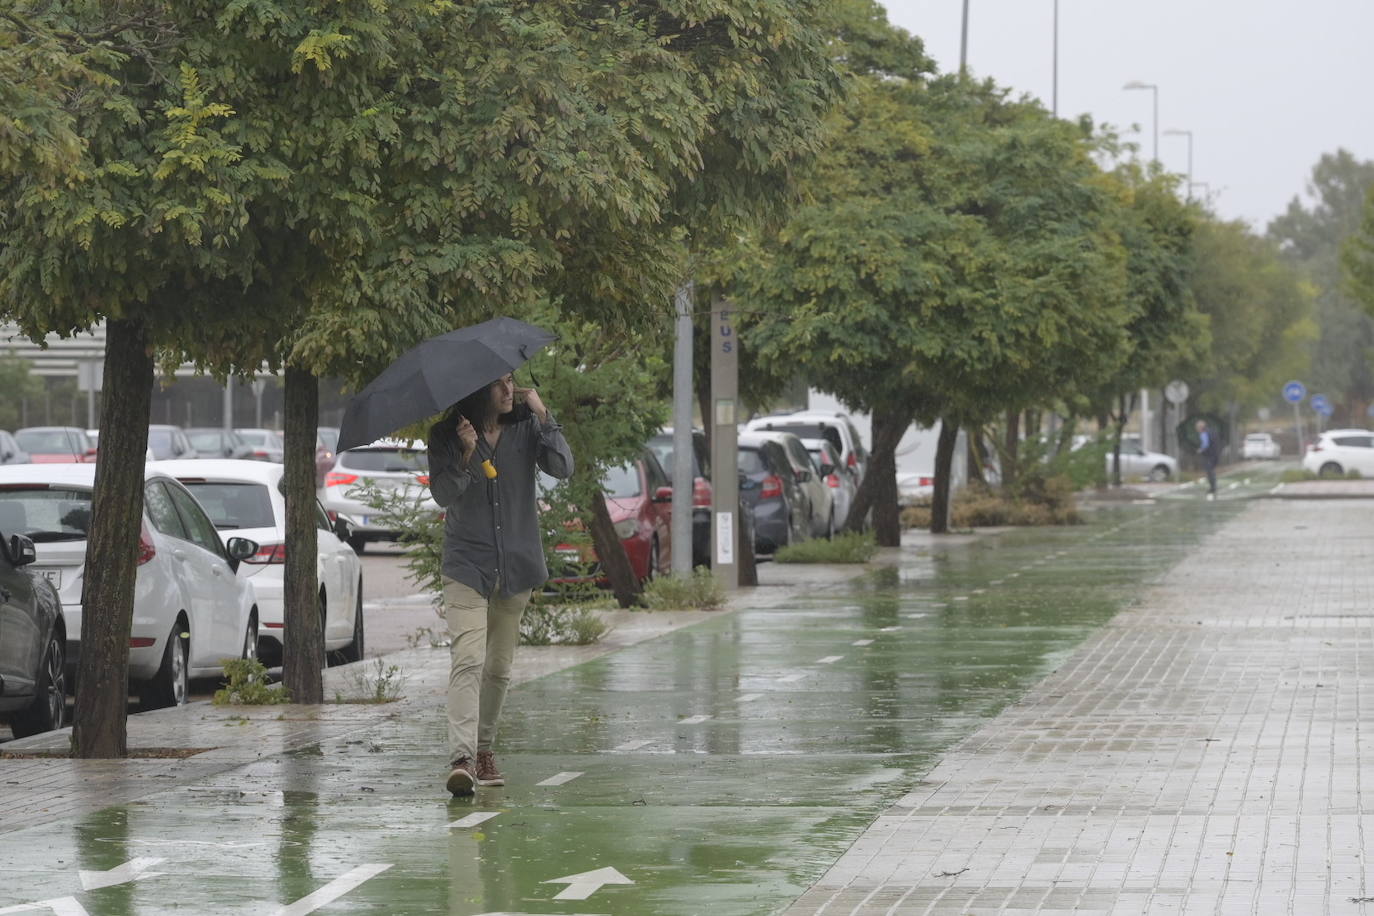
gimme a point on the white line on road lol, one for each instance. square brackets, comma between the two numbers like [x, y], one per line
[862, 642]
[559, 779]
[829, 659]
[472, 820]
[332, 891]
[792, 678]
[62, 906]
[634, 745]
[893, 629]
[693, 720]
[749, 698]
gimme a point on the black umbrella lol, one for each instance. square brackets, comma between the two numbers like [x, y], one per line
[429, 377]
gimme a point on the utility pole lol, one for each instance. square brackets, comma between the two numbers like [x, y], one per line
[682, 434]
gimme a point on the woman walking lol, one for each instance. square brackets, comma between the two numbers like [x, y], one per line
[483, 458]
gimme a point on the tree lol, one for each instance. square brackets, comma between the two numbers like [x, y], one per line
[1357, 258]
[18, 383]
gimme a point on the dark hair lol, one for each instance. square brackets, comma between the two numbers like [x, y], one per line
[477, 408]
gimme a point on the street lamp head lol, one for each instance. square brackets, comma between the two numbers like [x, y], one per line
[1137, 84]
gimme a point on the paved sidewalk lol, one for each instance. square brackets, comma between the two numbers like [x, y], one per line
[1202, 753]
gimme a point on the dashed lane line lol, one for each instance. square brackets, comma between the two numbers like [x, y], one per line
[634, 745]
[829, 659]
[332, 891]
[472, 820]
[862, 642]
[693, 720]
[559, 779]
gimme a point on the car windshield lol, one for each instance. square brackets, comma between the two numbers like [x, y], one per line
[49, 441]
[205, 441]
[260, 437]
[393, 460]
[662, 447]
[621, 482]
[751, 462]
[160, 441]
[45, 513]
[233, 504]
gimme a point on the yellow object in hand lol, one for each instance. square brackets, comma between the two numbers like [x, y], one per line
[489, 469]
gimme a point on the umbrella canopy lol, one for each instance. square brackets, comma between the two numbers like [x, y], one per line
[429, 377]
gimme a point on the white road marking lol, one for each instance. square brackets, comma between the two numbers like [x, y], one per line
[559, 779]
[472, 820]
[960, 598]
[693, 720]
[792, 678]
[891, 629]
[132, 870]
[332, 891]
[749, 698]
[634, 745]
[829, 659]
[62, 906]
[862, 642]
[995, 582]
[580, 887]
[977, 591]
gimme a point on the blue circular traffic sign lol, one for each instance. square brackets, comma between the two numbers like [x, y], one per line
[1320, 404]
[1294, 392]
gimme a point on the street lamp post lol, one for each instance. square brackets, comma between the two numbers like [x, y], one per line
[1137, 84]
[1054, 97]
[963, 44]
[1189, 134]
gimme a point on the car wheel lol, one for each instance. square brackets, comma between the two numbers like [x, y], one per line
[358, 543]
[830, 527]
[353, 652]
[171, 685]
[652, 571]
[1331, 469]
[250, 638]
[48, 711]
[1159, 473]
[325, 659]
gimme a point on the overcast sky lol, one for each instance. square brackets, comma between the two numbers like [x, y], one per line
[1266, 86]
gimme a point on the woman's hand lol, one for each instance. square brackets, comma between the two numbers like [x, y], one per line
[467, 438]
[530, 398]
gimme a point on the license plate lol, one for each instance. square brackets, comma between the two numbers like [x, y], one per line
[52, 575]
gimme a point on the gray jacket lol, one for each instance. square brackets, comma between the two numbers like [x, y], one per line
[491, 532]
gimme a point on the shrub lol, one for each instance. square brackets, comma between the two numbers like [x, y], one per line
[850, 547]
[380, 685]
[1044, 501]
[697, 591]
[248, 685]
[560, 624]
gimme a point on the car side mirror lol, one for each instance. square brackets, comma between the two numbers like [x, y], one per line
[663, 495]
[343, 529]
[22, 551]
[240, 549]
[827, 470]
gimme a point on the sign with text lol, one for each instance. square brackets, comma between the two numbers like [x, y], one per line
[725, 527]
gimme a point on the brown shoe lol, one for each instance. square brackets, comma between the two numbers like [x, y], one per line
[487, 773]
[462, 778]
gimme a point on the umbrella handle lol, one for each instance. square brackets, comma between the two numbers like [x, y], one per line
[489, 469]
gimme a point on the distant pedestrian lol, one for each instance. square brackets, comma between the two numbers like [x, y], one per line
[483, 459]
[1209, 447]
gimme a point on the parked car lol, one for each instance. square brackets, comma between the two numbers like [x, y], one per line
[266, 443]
[387, 465]
[190, 609]
[818, 504]
[168, 442]
[33, 638]
[56, 444]
[215, 442]
[831, 472]
[771, 493]
[245, 497]
[915, 487]
[1339, 451]
[639, 497]
[817, 424]
[662, 447]
[10, 452]
[1259, 445]
[1138, 462]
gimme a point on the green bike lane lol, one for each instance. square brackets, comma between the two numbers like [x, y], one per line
[719, 769]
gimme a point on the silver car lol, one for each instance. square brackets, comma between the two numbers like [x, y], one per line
[819, 504]
[385, 467]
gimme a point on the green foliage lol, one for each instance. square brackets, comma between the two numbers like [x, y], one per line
[1357, 258]
[980, 506]
[18, 383]
[369, 684]
[696, 591]
[547, 624]
[248, 685]
[421, 531]
[850, 547]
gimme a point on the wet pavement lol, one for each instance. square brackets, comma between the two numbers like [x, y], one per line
[829, 746]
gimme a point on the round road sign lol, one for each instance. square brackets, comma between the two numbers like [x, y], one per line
[1320, 404]
[1176, 391]
[1294, 392]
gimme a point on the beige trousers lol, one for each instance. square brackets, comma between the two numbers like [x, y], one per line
[483, 634]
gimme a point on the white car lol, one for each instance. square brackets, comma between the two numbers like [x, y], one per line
[1138, 462]
[842, 486]
[243, 497]
[190, 609]
[1259, 445]
[387, 465]
[820, 424]
[1339, 451]
[915, 487]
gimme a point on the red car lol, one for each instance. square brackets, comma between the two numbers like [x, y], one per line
[639, 497]
[56, 444]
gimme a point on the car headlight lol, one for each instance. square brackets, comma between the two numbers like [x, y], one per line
[626, 528]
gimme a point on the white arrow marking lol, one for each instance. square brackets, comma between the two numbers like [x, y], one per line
[132, 870]
[580, 887]
[559, 779]
[472, 820]
[749, 698]
[693, 720]
[829, 659]
[634, 745]
[332, 891]
[862, 642]
[62, 906]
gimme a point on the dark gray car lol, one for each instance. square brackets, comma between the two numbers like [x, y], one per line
[33, 643]
[769, 490]
[214, 442]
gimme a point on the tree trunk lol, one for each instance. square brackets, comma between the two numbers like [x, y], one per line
[878, 490]
[615, 563]
[1012, 450]
[303, 652]
[1119, 427]
[944, 463]
[99, 728]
